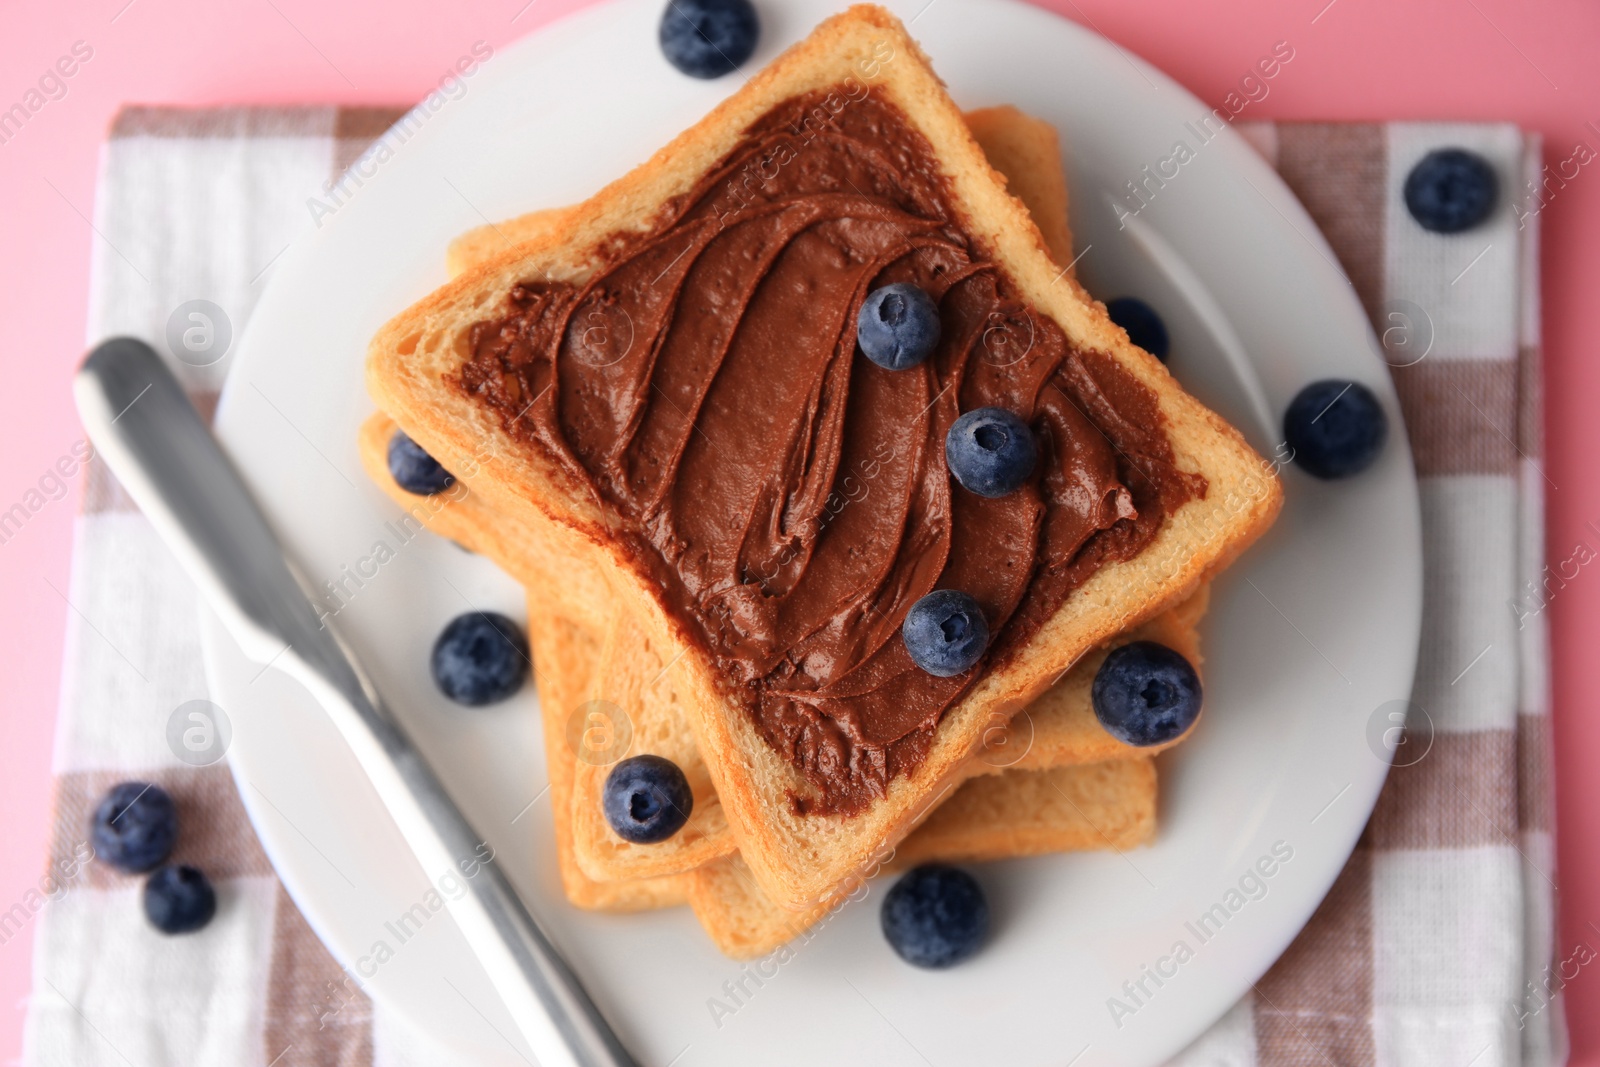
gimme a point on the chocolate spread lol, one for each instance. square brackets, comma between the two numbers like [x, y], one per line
[790, 496]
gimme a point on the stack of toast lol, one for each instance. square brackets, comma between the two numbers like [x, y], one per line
[1016, 762]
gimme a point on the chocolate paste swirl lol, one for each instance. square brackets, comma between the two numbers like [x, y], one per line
[789, 495]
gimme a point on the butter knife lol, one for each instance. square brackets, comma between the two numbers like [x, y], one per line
[154, 441]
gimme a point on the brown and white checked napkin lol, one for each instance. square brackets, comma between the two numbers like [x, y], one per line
[1437, 944]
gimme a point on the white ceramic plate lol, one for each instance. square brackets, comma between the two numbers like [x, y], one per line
[1308, 636]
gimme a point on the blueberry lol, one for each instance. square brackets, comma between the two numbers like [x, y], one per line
[481, 657]
[990, 451]
[135, 826]
[898, 326]
[935, 916]
[179, 900]
[708, 38]
[945, 632]
[646, 799]
[1146, 694]
[1451, 190]
[1336, 428]
[414, 470]
[1143, 325]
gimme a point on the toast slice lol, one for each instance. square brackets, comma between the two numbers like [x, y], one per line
[1026, 151]
[565, 653]
[630, 688]
[743, 922]
[796, 849]
[1019, 813]
[1057, 730]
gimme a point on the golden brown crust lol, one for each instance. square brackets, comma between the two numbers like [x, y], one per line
[1027, 153]
[633, 681]
[799, 858]
[1026, 813]
[565, 653]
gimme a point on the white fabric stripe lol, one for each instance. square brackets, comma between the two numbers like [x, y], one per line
[132, 654]
[1467, 672]
[197, 219]
[1529, 300]
[1547, 963]
[109, 990]
[1447, 956]
[1530, 616]
[1465, 282]
[1445, 1036]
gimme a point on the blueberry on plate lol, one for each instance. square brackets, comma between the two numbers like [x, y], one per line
[480, 658]
[179, 900]
[134, 826]
[1451, 190]
[708, 38]
[990, 451]
[898, 326]
[1144, 327]
[935, 916]
[414, 470]
[646, 799]
[1336, 428]
[945, 632]
[1146, 694]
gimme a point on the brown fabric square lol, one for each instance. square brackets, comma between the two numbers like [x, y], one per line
[1535, 802]
[317, 1015]
[1338, 170]
[1461, 415]
[354, 130]
[1313, 1008]
[214, 832]
[1461, 793]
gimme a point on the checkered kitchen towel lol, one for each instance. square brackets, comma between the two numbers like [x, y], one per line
[1437, 944]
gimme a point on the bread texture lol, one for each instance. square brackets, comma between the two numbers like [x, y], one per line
[997, 816]
[626, 682]
[797, 858]
[1026, 151]
[1021, 813]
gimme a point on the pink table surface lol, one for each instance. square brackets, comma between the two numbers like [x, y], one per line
[1354, 59]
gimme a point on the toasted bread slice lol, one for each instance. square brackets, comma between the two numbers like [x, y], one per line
[1057, 730]
[797, 857]
[483, 243]
[1020, 813]
[743, 922]
[631, 687]
[632, 681]
[565, 653]
[1027, 153]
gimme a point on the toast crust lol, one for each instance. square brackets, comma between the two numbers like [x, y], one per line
[795, 858]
